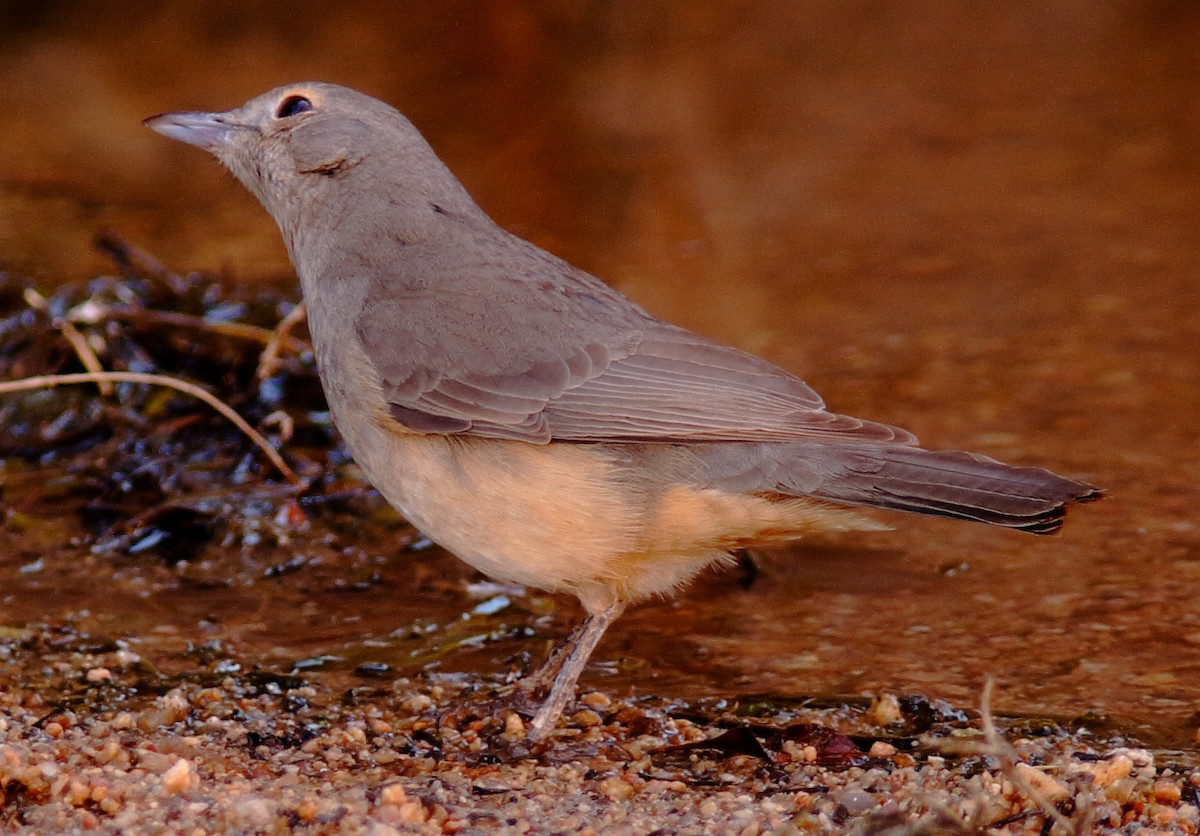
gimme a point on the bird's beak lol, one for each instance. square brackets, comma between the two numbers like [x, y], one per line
[210, 131]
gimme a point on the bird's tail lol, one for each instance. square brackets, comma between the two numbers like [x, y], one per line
[949, 484]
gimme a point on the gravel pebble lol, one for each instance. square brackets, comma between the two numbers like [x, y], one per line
[238, 756]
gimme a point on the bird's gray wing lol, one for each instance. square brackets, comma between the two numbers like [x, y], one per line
[566, 358]
[679, 386]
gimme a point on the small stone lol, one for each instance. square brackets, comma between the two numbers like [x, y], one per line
[1112, 770]
[110, 750]
[153, 761]
[856, 801]
[98, 675]
[413, 811]
[615, 788]
[1052, 789]
[417, 703]
[885, 710]
[252, 813]
[596, 700]
[77, 793]
[60, 784]
[1161, 815]
[393, 794]
[178, 778]
[208, 696]
[1121, 791]
[514, 726]
[125, 658]
[1142, 759]
[586, 719]
[307, 810]
[881, 749]
[1167, 792]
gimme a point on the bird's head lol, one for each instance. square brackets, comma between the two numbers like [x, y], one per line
[316, 153]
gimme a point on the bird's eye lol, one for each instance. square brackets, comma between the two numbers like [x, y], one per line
[293, 105]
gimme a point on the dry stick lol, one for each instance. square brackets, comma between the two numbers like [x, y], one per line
[1007, 757]
[268, 361]
[49, 381]
[239, 330]
[83, 349]
[126, 254]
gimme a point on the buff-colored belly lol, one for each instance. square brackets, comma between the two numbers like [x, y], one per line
[572, 518]
[588, 519]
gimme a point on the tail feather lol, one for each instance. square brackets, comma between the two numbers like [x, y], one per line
[949, 484]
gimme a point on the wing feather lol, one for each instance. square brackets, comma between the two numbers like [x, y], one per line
[553, 354]
[675, 387]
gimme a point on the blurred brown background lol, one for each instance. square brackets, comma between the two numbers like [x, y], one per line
[979, 221]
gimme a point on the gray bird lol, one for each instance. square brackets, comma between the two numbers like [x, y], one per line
[533, 420]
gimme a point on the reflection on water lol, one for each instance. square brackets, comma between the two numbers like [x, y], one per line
[979, 223]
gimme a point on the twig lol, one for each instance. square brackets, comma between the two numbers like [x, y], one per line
[1007, 758]
[83, 350]
[268, 361]
[239, 330]
[51, 380]
[129, 256]
[281, 421]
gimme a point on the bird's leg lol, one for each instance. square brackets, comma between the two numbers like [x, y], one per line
[539, 682]
[565, 665]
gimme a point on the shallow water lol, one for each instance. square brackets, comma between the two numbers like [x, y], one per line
[980, 224]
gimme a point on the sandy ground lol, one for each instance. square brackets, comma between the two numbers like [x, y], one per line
[91, 739]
